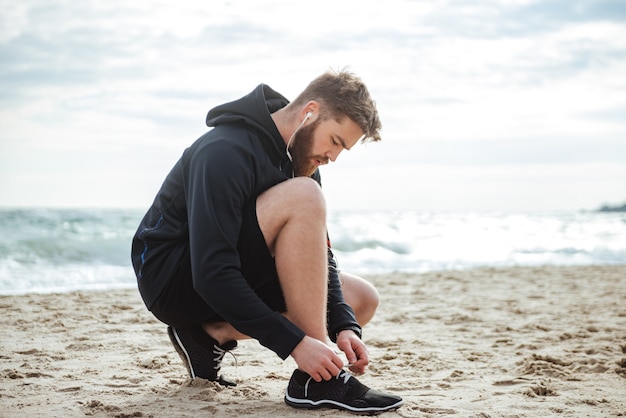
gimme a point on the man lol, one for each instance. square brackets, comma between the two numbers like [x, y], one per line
[235, 244]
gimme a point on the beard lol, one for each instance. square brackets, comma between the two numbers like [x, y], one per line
[301, 150]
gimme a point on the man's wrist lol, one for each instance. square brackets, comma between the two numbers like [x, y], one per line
[356, 330]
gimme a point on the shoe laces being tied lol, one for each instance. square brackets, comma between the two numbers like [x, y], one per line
[344, 375]
[220, 352]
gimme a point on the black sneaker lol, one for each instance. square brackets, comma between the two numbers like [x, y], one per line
[341, 392]
[200, 353]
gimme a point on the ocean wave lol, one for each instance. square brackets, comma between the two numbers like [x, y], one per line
[49, 249]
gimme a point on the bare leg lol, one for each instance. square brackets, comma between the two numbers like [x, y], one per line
[223, 332]
[292, 217]
[361, 295]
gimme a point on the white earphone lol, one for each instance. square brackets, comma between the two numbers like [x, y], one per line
[308, 115]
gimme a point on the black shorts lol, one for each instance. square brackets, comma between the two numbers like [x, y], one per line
[180, 306]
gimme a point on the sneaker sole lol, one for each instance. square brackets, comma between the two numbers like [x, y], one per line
[309, 404]
[178, 345]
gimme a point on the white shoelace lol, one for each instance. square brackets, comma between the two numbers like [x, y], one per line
[346, 376]
[219, 356]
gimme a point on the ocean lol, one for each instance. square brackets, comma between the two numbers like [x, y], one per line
[60, 250]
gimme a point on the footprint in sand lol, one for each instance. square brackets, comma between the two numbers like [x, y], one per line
[540, 390]
[539, 365]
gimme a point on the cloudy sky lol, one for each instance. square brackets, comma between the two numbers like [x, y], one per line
[486, 104]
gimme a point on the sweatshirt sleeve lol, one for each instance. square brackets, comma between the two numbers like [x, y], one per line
[219, 182]
[340, 315]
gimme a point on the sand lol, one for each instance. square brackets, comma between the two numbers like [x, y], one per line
[511, 342]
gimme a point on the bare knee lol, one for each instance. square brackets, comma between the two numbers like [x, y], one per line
[361, 295]
[299, 200]
[305, 197]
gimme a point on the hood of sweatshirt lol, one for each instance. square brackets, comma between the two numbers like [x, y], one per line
[254, 110]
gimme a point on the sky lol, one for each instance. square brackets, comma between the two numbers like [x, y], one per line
[486, 104]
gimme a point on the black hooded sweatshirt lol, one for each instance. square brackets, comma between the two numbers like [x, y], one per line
[199, 209]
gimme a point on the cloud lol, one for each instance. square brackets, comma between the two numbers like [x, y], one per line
[547, 14]
[492, 19]
[469, 83]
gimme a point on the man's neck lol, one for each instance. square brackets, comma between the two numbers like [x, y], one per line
[284, 121]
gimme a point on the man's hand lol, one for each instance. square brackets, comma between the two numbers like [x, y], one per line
[355, 350]
[317, 359]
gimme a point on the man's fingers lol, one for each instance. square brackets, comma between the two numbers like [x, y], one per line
[357, 369]
[351, 356]
[362, 354]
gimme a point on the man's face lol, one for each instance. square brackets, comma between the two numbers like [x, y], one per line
[321, 141]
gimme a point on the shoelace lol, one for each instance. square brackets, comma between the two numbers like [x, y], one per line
[346, 376]
[219, 356]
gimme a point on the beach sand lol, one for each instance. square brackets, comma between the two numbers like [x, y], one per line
[494, 342]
